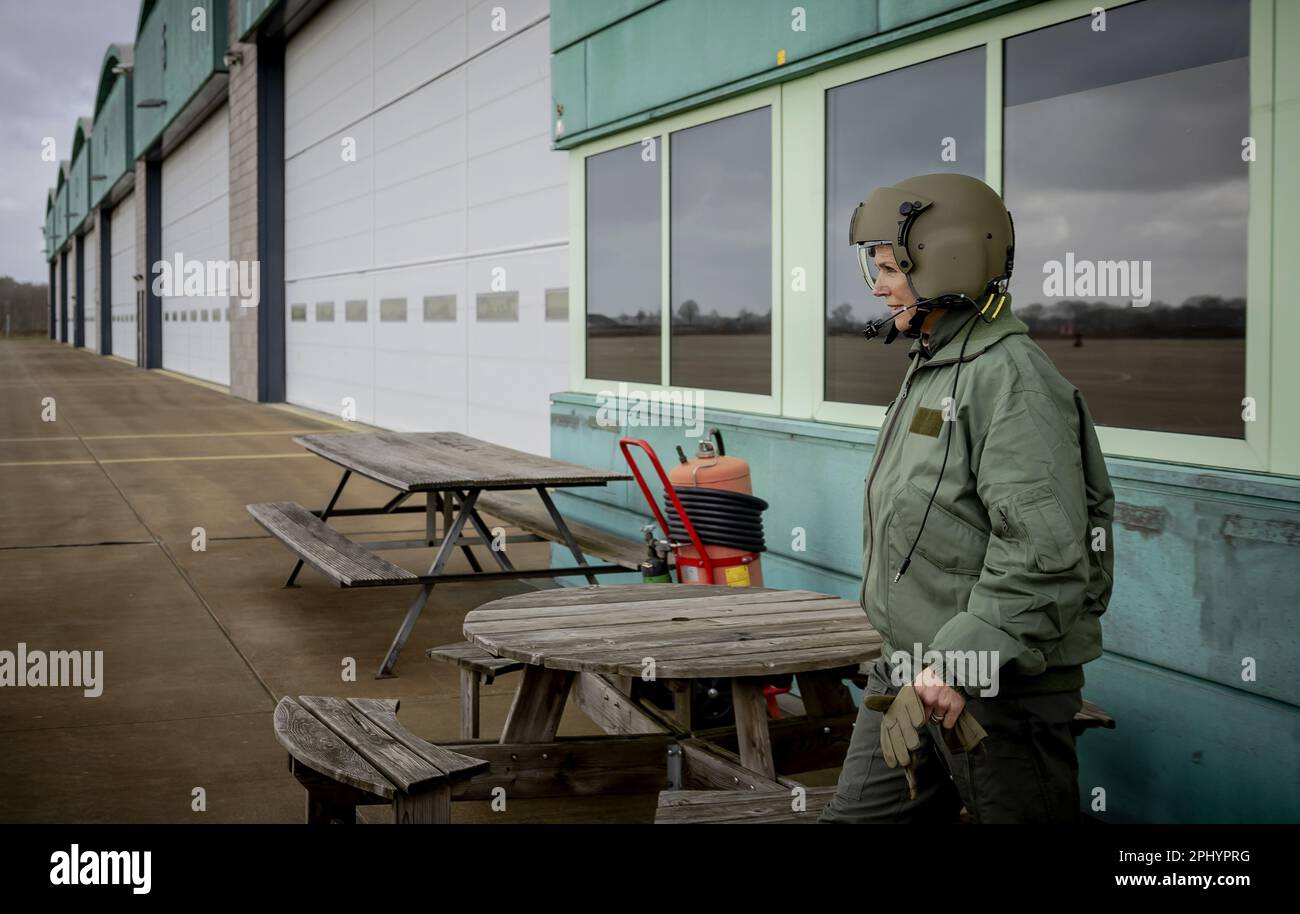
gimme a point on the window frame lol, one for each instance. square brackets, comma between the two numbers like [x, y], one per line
[798, 213]
[662, 131]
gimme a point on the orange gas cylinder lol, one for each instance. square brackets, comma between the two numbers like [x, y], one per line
[718, 498]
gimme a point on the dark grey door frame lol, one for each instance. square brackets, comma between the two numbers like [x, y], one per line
[53, 296]
[270, 219]
[63, 297]
[151, 357]
[105, 274]
[79, 283]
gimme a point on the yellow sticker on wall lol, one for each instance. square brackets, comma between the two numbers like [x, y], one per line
[736, 575]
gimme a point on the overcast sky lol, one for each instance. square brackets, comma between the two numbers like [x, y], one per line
[50, 54]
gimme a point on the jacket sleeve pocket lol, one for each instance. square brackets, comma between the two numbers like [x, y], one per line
[1054, 545]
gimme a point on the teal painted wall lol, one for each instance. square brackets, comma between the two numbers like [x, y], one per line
[572, 20]
[61, 216]
[49, 231]
[619, 63]
[173, 61]
[79, 185]
[1207, 569]
[112, 154]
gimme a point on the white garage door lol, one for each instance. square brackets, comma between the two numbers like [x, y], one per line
[419, 178]
[196, 226]
[122, 296]
[89, 247]
[69, 294]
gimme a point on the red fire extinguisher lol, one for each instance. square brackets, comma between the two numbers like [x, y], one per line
[713, 520]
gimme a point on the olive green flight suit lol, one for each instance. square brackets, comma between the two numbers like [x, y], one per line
[1014, 561]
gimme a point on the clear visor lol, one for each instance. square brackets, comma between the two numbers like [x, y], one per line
[868, 251]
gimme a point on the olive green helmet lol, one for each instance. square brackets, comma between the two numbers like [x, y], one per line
[951, 234]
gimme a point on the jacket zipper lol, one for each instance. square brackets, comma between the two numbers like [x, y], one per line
[875, 465]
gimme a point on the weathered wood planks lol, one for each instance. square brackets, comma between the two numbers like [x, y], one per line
[424, 461]
[347, 563]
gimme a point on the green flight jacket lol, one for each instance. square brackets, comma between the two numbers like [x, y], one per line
[1006, 561]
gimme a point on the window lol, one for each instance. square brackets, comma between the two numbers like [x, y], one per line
[721, 254]
[557, 304]
[439, 307]
[324, 311]
[933, 114]
[298, 312]
[1124, 173]
[392, 309]
[497, 306]
[624, 260]
[355, 310]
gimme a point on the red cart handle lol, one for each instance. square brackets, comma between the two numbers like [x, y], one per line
[624, 444]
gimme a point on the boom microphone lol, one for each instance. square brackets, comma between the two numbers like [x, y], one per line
[874, 327]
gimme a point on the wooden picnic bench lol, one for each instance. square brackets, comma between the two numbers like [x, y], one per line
[459, 477]
[353, 752]
[477, 668]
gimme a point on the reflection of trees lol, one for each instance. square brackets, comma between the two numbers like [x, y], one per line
[688, 318]
[1198, 316]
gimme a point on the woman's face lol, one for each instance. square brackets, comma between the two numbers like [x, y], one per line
[891, 285]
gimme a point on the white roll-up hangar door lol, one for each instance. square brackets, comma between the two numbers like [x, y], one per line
[90, 248]
[196, 229]
[418, 169]
[121, 275]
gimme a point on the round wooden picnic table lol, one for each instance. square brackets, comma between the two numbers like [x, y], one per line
[673, 633]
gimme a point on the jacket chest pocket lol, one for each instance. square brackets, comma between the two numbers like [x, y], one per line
[948, 542]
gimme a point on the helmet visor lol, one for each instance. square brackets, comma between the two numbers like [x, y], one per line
[867, 253]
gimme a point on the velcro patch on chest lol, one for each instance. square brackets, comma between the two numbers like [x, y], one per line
[926, 421]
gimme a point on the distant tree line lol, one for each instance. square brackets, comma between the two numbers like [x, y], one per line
[689, 318]
[24, 307]
[1198, 316]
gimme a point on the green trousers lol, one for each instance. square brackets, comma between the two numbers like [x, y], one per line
[1025, 772]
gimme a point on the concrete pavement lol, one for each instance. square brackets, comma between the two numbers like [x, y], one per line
[97, 509]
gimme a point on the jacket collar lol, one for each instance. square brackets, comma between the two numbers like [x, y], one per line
[945, 342]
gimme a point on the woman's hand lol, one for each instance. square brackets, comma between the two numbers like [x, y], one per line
[939, 699]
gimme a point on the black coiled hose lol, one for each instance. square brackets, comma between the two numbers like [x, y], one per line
[721, 518]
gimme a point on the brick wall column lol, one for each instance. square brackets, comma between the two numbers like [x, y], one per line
[242, 99]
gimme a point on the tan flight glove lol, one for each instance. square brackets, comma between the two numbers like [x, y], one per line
[904, 716]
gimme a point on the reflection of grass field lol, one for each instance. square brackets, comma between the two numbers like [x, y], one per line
[1194, 387]
[709, 361]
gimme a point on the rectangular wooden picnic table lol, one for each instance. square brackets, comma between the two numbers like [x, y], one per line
[453, 471]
